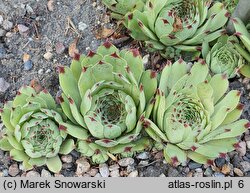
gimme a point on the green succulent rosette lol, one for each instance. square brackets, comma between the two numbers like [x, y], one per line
[193, 117]
[230, 4]
[105, 94]
[181, 24]
[33, 131]
[225, 56]
[120, 8]
[243, 34]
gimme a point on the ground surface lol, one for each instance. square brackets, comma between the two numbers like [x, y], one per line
[36, 36]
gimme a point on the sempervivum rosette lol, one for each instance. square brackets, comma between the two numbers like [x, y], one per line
[120, 8]
[105, 94]
[193, 117]
[225, 56]
[33, 130]
[181, 24]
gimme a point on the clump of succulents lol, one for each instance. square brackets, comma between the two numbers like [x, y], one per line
[181, 24]
[33, 131]
[120, 8]
[243, 33]
[225, 57]
[105, 95]
[193, 117]
[230, 4]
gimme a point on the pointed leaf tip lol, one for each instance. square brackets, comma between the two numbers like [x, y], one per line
[114, 55]
[127, 149]
[153, 74]
[130, 16]
[76, 56]
[222, 155]
[135, 52]
[62, 128]
[240, 106]
[107, 44]
[247, 125]
[60, 99]
[91, 54]
[61, 69]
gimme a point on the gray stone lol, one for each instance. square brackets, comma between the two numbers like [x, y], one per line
[22, 28]
[3, 85]
[126, 161]
[60, 48]
[143, 155]
[193, 165]
[242, 149]
[172, 172]
[2, 32]
[98, 175]
[1, 19]
[198, 172]
[32, 174]
[114, 167]
[245, 166]
[82, 26]
[220, 162]
[115, 173]
[67, 158]
[7, 25]
[104, 170]
[27, 65]
[2, 52]
[218, 174]
[208, 172]
[45, 173]
[93, 172]
[13, 170]
[83, 166]
[133, 174]
[130, 168]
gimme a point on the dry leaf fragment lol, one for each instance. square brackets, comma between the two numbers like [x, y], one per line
[104, 33]
[36, 85]
[73, 48]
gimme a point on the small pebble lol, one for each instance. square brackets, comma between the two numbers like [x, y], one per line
[245, 166]
[45, 173]
[83, 166]
[40, 71]
[2, 52]
[1, 19]
[29, 9]
[226, 169]
[218, 174]
[60, 48]
[193, 165]
[238, 172]
[48, 56]
[114, 167]
[2, 32]
[208, 172]
[67, 158]
[133, 174]
[3, 85]
[86, 175]
[104, 170]
[198, 172]
[242, 149]
[115, 173]
[162, 175]
[130, 168]
[98, 175]
[22, 28]
[67, 165]
[143, 155]
[58, 175]
[248, 144]
[126, 161]
[82, 26]
[93, 172]
[143, 163]
[7, 25]
[13, 170]
[32, 174]
[220, 162]
[28, 65]
[48, 71]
